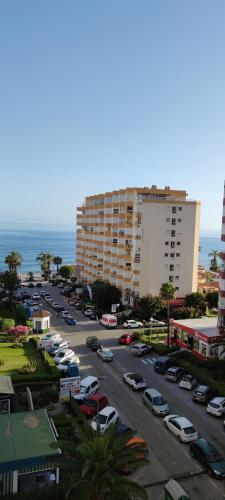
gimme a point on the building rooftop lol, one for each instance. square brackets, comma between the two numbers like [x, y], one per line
[26, 440]
[41, 314]
[6, 386]
[205, 325]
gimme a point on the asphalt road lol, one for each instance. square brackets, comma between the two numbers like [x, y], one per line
[169, 457]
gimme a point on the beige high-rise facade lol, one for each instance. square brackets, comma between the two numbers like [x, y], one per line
[139, 238]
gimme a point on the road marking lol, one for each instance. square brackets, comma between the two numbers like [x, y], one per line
[144, 361]
[149, 361]
[211, 481]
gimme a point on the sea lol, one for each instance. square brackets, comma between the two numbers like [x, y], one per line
[30, 242]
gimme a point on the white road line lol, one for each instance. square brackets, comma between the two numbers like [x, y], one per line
[215, 485]
[143, 361]
[149, 361]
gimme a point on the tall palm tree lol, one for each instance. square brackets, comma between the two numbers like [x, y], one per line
[13, 260]
[214, 254]
[57, 261]
[45, 260]
[167, 293]
[96, 462]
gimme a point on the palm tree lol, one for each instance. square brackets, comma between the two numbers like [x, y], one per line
[13, 260]
[167, 293]
[57, 261]
[96, 462]
[214, 254]
[45, 260]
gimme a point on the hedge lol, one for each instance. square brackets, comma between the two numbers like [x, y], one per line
[6, 323]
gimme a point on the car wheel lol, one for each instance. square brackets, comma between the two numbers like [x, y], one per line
[165, 425]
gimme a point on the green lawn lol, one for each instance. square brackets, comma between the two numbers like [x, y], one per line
[16, 358]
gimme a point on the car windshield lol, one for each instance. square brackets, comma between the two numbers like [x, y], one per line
[158, 401]
[100, 419]
[91, 402]
[214, 405]
[189, 430]
[61, 354]
[83, 389]
[138, 379]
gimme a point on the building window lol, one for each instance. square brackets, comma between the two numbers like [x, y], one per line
[177, 288]
[178, 243]
[171, 267]
[166, 254]
[179, 220]
[173, 222]
[171, 279]
[173, 233]
[174, 210]
[168, 219]
[177, 277]
[203, 349]
[128, 265]
[180, 208]
[177, 254]
[114, 241]
[172, 255]
[172, 244]
[166, 243]
[129, 209]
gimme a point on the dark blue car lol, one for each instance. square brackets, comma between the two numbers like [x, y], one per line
[70, 321]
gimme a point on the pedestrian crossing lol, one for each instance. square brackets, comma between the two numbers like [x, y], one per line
[148, 361]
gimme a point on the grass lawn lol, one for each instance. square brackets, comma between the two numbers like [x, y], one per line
[16, 358]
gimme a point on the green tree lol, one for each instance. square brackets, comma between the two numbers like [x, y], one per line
[196, 300]
[45, 259]
[13, 261]
[148, 306]
[10, 282]
[30, 276]
[214, 254]
[104, 295]
[167, 293]
[96, 462]
[212, 299]
[57, 261]
[66, 271]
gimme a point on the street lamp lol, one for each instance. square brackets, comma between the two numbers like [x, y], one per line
[151, 321]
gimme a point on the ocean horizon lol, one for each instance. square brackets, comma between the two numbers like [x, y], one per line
[60, 240]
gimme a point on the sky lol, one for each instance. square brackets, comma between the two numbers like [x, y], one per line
[98, 95]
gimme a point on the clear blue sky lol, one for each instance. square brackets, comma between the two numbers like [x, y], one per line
[97, 95]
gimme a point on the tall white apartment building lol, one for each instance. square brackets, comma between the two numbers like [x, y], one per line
[139, 238]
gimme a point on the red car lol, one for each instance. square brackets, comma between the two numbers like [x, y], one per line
[126, 338]
[94, 404]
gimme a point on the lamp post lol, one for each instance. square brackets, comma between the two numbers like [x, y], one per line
[150, 334]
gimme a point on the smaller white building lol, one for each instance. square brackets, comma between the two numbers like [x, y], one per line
[41, 321]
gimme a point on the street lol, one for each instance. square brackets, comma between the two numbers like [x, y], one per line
[169, 457]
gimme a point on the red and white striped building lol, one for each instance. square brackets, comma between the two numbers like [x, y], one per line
[221, 302]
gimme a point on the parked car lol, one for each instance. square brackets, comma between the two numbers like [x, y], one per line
[174, 374]
[153, 323]
[187, 382]
[87, 312]
[93, 316]
[216, 407]
[126, 339]
[39, 285]
[155, 402]
[135, 380]
[208, 455]
[132, 323]
[141, 349]
[93, 343]
[70, 321]
[105, 354]
[36, 296]
[59, 309]
[60, 285]
[56, 347]
[64, 313]
[203, 394]
[183, 429]
[63, 355]
[104, 419]
[94, 404]
[88, 386]
[55, 304]
[47, 340]
[108, 320]
[162, 364]
[122, 429]
[63, 367]
[30, 285]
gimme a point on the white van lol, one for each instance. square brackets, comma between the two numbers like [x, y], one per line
[108, 320]
[88, 386]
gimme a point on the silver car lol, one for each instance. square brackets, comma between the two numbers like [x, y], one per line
[155, 402]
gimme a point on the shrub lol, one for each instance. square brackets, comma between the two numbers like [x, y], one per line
[31, 367]
[5, 337]
[34, 341]
[49, 363]
[6, 323]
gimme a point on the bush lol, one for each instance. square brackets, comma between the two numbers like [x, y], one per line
[31, 367]
[49, 364]
[34, 341]
[5, 337]
[6, 323]
[162, 349]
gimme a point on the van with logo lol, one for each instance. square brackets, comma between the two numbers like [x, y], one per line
[108, 321]
[88, 386]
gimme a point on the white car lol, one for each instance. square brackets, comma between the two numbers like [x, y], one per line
[63, 367]
[60, 285]
[216, 407]
[187, 382]
[105, 354]
[47, 340]
[135, 380]
[36, 296]
[63, 355]
[104, 419]
[64, 314]
[183, 429]
[131, 323]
